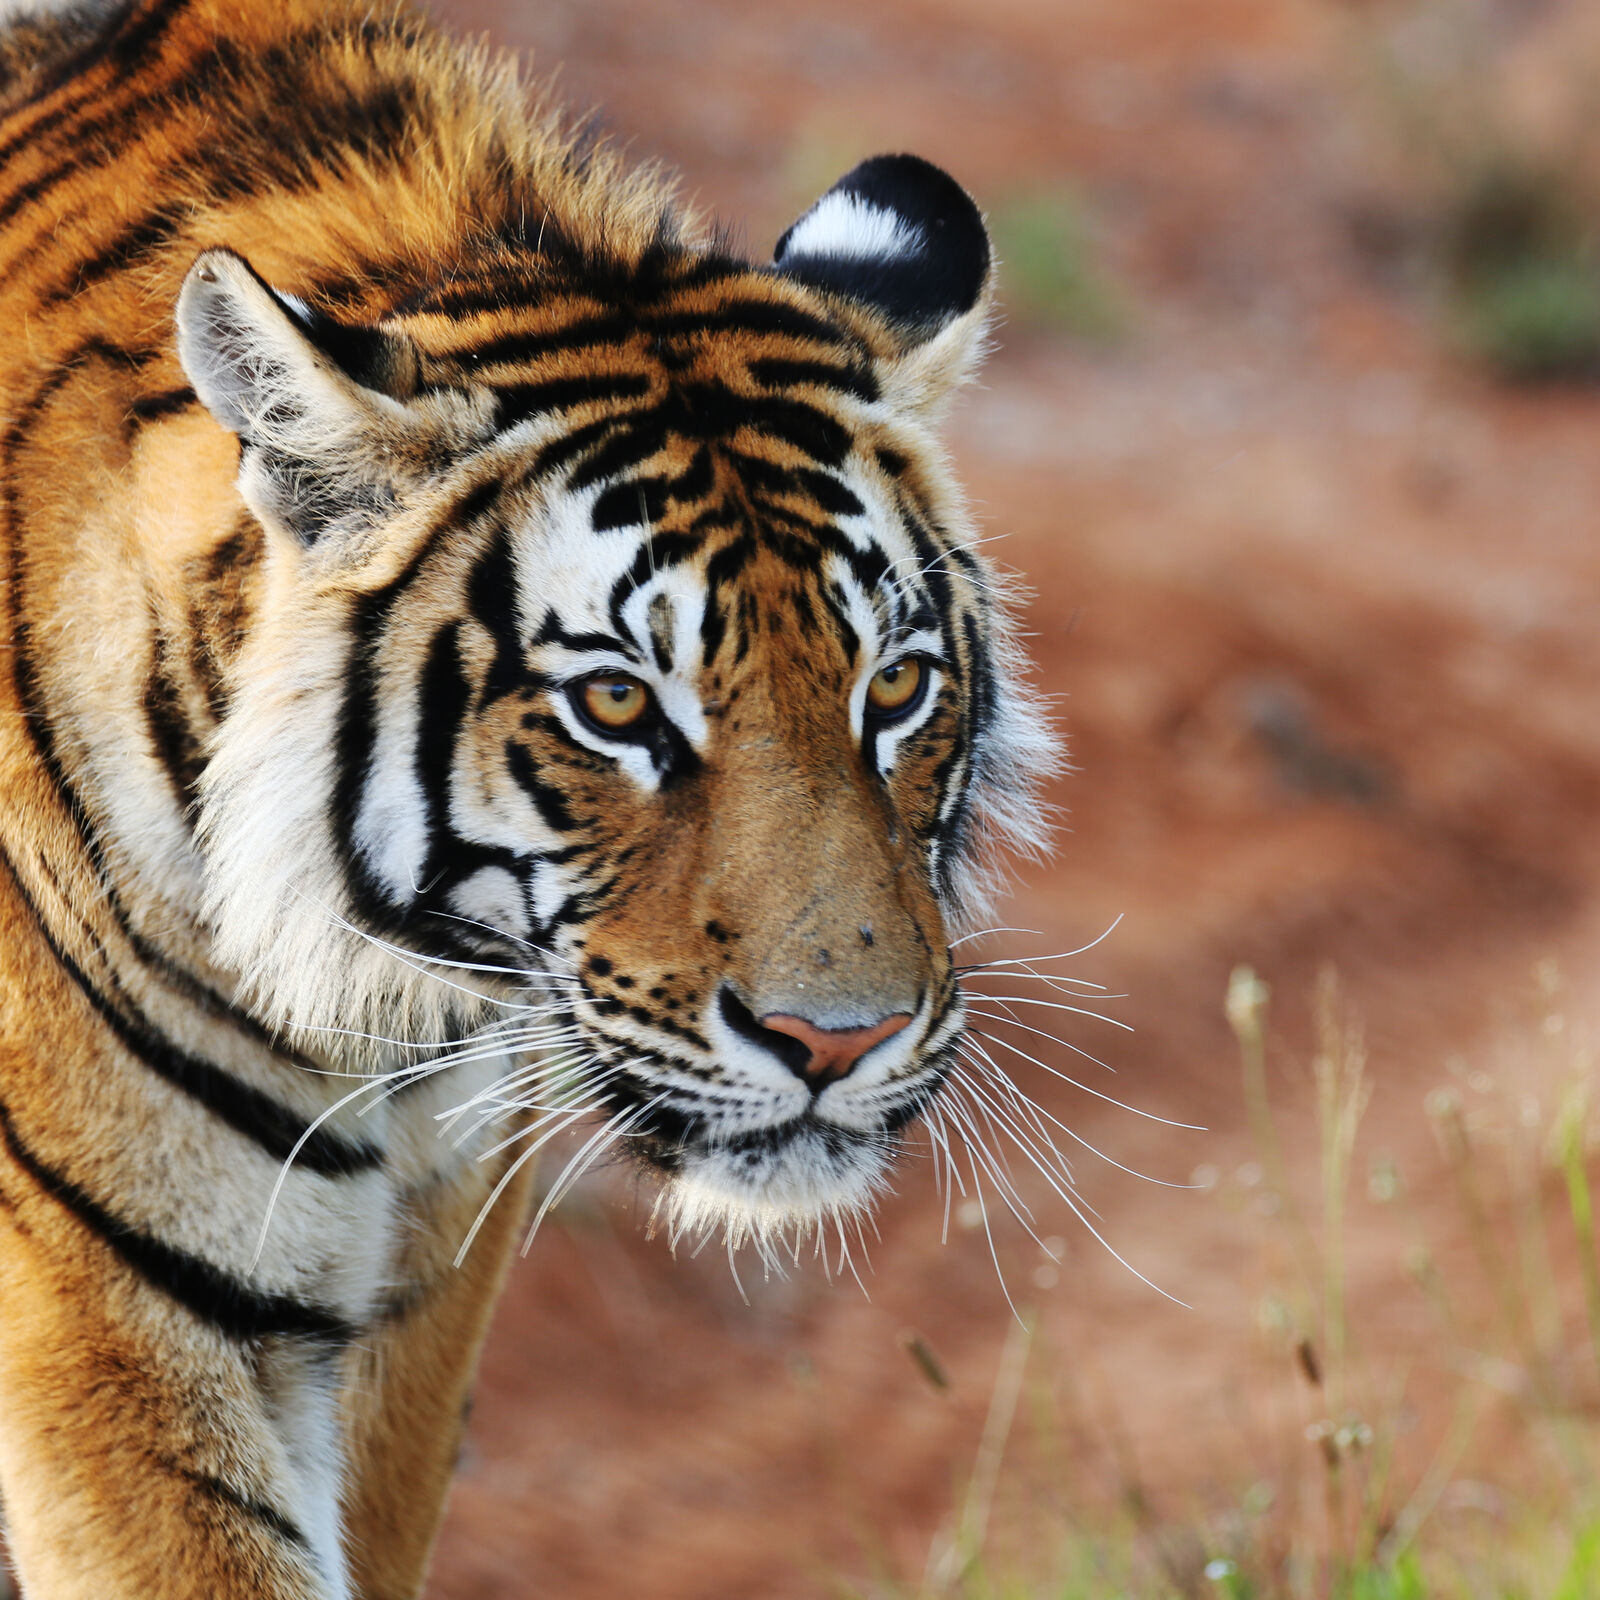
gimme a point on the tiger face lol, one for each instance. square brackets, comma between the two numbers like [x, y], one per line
[621, 645]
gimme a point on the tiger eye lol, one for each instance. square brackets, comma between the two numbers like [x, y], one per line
[895, 687]
[613, 701]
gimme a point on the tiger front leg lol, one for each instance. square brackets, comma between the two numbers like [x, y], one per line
[410, 1376]
[143, 1454]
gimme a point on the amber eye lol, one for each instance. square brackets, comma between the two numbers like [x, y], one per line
[612, 701]
[896, 689]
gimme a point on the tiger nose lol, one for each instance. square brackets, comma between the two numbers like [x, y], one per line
[832, 1052]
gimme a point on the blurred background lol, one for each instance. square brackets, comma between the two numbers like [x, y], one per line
[1293, 428]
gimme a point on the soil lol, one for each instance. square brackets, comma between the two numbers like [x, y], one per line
[1318, 604]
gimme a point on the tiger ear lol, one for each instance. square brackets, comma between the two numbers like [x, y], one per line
[901, 237]
[317, 405]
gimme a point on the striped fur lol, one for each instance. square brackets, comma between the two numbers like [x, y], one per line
[354, 419]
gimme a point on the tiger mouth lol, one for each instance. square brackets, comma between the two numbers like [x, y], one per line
[672, 1153]
[797, 1170]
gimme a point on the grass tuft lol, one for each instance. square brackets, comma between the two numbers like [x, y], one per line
[1523, 278]
[1505, 207]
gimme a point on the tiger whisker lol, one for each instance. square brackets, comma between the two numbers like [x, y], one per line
[1020, 1131]
[570, 1051]
[1025, 963]
[573, 1066]
[940, 1140]
[1078, 1209]
[989, 1016]
[1024, 974]
[403, 1044]
[1065, 955]
[948, 551]
[506, 1178]
[514, 938]
[733, 1266]
[573, 1054]
[577, 1110]
[487, 1045]
[460, 1059]
[422, 965]
[1169, 1122]
[616, 1127]
[983, 933]
[418, 1069]
[1028, 1027]
[1057, 1005]
[571, 1111]
[501, 1113]
[998, 1076]
[508, 1026]
[966, 1118]
[846, 1258]
[988, 1232]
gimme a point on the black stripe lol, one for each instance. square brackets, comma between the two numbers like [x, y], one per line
[358, 721]
[978, 717]
[91, 145]
[209, 1293]
[610, 328]
[152, 407]
[214, 1488]
[443, 695]
[721, 570]
[752, 316]
[773, 372]
[309, 133]
[932, 572]
[714, 411]
[645, 500]
[841, 621]
[635, 438]
[70, 41]
[570, 446]
[244, 1108]
[552, 632]
[632, 503]
[659, 552]
[549, 802]
[492, 597]
[771, 478]
[176, 746]
[523, 400]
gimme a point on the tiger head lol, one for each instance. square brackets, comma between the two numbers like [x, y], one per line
[621, 644]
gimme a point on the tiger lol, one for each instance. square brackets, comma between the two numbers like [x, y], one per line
[484, 660]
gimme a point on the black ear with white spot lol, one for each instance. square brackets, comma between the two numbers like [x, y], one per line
[901, 237]
[317, 405]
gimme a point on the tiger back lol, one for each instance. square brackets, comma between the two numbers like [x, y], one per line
[482, 658]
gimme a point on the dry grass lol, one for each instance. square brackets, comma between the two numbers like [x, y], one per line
[1484, 1488]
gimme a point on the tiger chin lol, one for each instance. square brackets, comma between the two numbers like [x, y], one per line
[482, 660]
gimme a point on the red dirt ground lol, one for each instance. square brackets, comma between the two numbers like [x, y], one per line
[1319, 607]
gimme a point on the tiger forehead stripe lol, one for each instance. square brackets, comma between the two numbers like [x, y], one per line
[478, 656]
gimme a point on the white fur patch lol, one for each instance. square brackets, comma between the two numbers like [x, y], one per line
[764, 1196]
[492, 897]
[845, 225]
